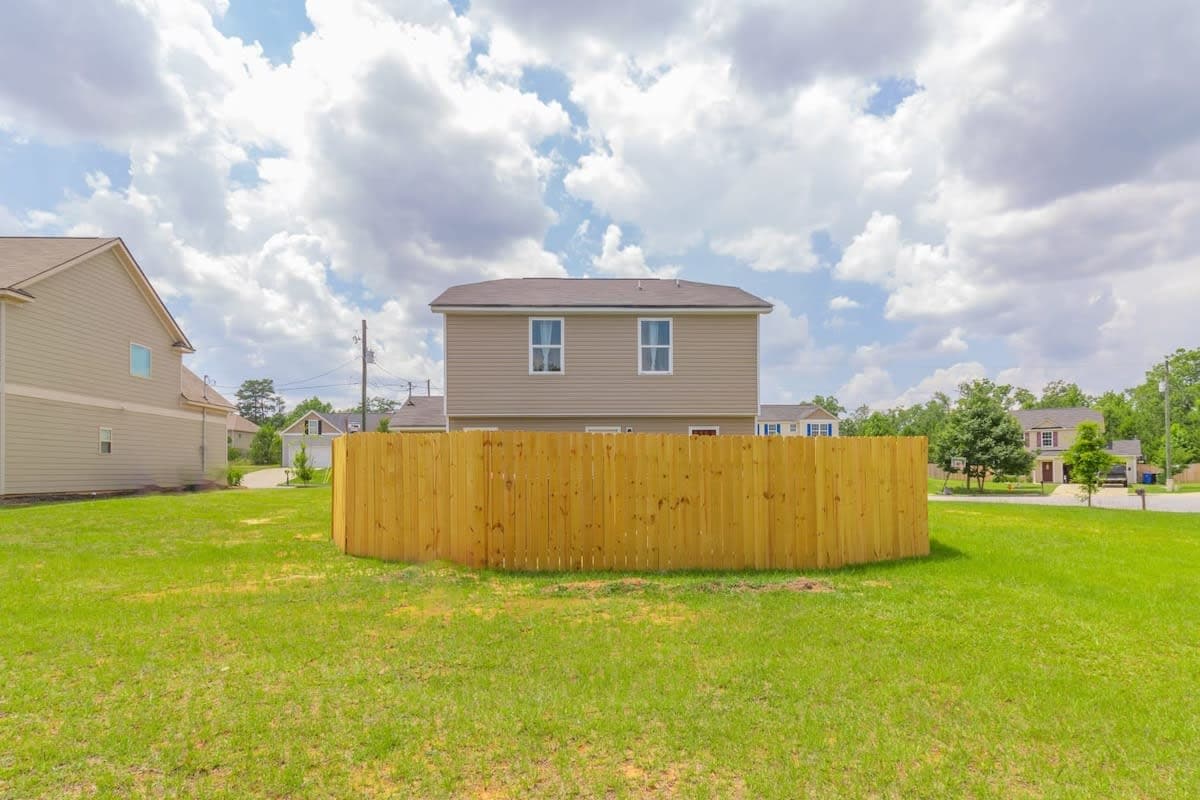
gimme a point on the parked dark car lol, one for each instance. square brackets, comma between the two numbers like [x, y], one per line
[1116, 476]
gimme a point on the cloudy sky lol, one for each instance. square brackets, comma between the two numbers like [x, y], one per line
[927, 191]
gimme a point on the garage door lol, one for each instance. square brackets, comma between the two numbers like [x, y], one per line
[319, 455]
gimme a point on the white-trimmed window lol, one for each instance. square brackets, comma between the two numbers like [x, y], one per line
[546, 345]
[820, 429]
[139, 360]
[105, 441]
[1047, 438]
[312, 427]
[791, 427]
[770, 428]
[704, 430]
[655, 346]
[602, 429]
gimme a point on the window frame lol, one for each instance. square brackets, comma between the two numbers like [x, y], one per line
[149, 361]
[101, 441]
[308, 422]
[716, 429]
[1042, 443]
[815, 429]
[562, 345]
[767, 428]
[670, 345]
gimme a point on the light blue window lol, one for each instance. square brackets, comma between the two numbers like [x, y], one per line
[545, 345]
[654, 344]
[139, 361]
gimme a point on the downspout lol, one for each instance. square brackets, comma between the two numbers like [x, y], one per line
[203, 442]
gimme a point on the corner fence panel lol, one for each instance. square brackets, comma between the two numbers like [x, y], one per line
[578, 501]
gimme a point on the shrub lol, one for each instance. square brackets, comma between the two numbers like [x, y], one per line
[235, 454]
[304, 468]
[233, 476]
[267, 447]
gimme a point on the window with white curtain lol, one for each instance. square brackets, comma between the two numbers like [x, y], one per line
[546, 345]
[654, 346]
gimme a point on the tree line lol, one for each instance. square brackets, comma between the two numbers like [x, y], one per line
[1132, 413]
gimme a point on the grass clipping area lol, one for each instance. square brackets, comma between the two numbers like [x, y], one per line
[216, 645]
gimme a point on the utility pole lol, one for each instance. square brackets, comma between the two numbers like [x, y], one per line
[364, 376]
[1167, 422]
[428, 387]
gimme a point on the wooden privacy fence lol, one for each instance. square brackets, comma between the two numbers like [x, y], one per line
[570, 501]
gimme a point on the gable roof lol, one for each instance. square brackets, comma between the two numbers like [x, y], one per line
[595, 293]
[338, 422]
[240, 424]
[328, 419]
[420, 412]
[782, 412]
[25, 260]
[1036, 418]
[194, 391]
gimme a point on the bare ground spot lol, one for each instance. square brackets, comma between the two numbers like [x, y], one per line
[798, 585]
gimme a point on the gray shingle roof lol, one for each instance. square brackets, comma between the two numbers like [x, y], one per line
[237, 422]
[781, 412]
[420, 412]
[192, 388]
[1035, 418]
[598, 293]
[1126, 447]
[25, 257]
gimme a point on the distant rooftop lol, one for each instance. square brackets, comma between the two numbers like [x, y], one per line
[598, 293]
[780, 412]
[1035, 418]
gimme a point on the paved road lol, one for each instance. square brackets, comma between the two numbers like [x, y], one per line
[1154, 502]
[263, 478]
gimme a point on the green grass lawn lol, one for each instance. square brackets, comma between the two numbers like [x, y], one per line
[1158, 488]
[216, 645]
[989, 487]
[320, 477]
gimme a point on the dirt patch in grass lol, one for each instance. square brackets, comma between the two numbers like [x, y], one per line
[797, 585]
[601, 588]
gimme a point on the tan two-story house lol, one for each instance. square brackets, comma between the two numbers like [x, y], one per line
[94, 396]
[603, 355]
[1050, 432]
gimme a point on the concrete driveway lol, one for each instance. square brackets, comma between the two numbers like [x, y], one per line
[1107, 498]
[264, 478]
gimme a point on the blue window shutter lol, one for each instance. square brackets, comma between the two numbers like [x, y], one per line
[808, 429]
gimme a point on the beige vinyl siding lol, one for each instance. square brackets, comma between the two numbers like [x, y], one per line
[714, 366]
[75, 336]
[1066, 438]
[54, 447]
[740, 426]
[216, 455]
[241, 439]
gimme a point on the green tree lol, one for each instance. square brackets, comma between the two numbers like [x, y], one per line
[1024, 398]
[878, 423]
[1183, 450]
[830, 404]
[257, 401]
[375, 405]
[266, 447]
[305, 406]
[384, 424]
[982, 433]
[1088, 460]
[1061, 394]
[303, 467]
[1118, 415]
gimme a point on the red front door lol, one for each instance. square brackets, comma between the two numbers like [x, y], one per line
[1047, 472]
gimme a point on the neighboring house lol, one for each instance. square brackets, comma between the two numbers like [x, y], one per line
[601, 355]
[240, 431]
[799, 419]
[317, 430]
[419, 414]
[94, 396]
[1050, 432]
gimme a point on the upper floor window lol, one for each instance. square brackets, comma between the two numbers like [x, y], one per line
[139, 361]
[1047, 438]
[312, 427]
[654, 346]
[105, 441]
[545, 345]
[820, 429]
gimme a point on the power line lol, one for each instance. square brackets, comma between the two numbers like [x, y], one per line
[287, 384]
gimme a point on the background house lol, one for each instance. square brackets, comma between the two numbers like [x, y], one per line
[601, 355]
[1050, 432]
[240, 432]
[317, 431]
[94, 396]
[797, 419]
